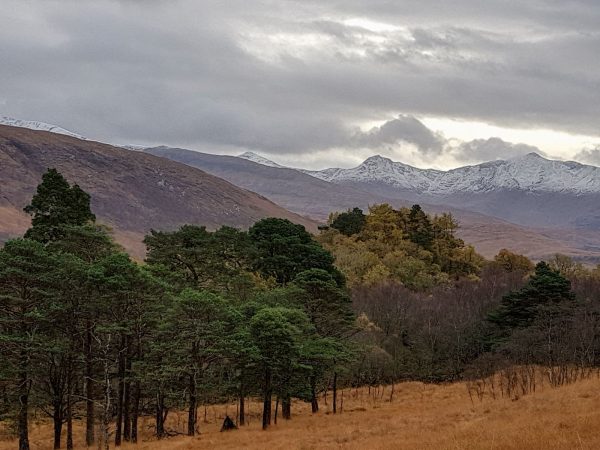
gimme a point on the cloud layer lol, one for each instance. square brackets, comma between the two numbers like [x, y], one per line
[301, 79]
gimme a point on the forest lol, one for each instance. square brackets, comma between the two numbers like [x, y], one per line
[272, 313]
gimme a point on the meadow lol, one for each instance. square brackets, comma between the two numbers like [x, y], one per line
[419, 416]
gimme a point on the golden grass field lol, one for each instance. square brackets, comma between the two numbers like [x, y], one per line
[419, 417]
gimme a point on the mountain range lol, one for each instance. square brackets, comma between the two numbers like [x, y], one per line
[529, 190]
[529, 204]
[300, 192]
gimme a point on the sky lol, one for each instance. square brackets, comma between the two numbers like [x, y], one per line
[312, 83]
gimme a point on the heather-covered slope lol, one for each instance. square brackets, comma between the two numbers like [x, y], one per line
[131, 191]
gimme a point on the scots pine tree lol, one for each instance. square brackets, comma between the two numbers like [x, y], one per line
[56, 204]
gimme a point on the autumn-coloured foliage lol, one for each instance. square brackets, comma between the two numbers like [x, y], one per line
[405, 245]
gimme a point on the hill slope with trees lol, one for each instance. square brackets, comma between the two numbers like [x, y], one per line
[91, 338]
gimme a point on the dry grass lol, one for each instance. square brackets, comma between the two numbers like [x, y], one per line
[420, 417]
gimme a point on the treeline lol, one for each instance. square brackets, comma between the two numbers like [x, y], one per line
[85, 332]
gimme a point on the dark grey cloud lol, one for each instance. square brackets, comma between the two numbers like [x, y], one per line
[404, 128]
[295, 77]
[479, 150]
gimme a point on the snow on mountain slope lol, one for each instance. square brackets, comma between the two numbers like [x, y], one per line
[251, 156]
[39, 126]
[529, 173]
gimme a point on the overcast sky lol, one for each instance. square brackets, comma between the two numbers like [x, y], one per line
[435, 83]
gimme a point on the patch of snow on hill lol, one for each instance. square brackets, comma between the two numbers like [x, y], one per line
[251, 156]
[39, 126]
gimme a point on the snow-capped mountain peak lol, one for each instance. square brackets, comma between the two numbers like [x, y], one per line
[251, 156]
[531, 172]
[35, 125]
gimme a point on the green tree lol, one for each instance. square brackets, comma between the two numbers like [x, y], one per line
[327, 306]
[122, 293]
[285, 249]
[329, 310]
[518, 309]
[89, 242]
[200, 325]
[420, 230]
[350, 222]
[278, 335]
[197, 258]
[27, 286]
[56, 204]
[59, 366]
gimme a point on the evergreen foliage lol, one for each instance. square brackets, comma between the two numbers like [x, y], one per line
[55, 205]
[519, 309]
[285, 249]
[349, 222]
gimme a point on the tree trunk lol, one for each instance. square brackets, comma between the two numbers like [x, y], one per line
[127, 402]
[334, 392]
[192, 407]
[135, 412]
[161, 415]
[69, 419]
[286, 407]
[106, 413]
[23, 424]
[266, 422]
[89, 388]
[242, 409]
[314, 402]
[57, 419]
[120, 392]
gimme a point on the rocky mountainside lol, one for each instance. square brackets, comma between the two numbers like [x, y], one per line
[131, 191]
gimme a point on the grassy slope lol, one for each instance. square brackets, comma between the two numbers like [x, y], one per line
[420, 417]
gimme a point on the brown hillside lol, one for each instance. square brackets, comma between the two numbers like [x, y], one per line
[132, 192]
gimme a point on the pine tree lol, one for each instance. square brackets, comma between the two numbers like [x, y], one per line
[350, 222]
[56, 204]
[518, 309]
[419, 227]
[329, 310]
[285, 249]
[27, 286]
[278, 334]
